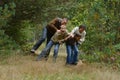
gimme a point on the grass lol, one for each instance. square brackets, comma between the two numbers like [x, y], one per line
[19, 67]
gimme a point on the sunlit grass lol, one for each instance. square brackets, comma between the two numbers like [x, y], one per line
[24, 67]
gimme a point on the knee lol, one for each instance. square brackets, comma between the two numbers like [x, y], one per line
[68, 55]
[42, 39]
[55, 50]
[77, 51]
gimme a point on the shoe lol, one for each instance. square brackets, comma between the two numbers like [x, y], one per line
[32, 51]
[67, 64]
[46, 59]
[74, 63]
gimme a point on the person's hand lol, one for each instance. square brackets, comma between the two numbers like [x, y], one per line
[61, 41]
[58, 30]
[72, 35]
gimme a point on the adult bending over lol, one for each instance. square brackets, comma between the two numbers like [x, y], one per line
[48, 32]
[56, 40]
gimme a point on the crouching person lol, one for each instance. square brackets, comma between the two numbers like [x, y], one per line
[56, 40]
[72, 50]
[77, 38]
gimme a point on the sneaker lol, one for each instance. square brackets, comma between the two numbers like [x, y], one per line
[32, 51]
[46, 59]
[74, 63]
[67, 64]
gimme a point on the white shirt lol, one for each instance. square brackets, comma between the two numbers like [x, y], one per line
[76, 31]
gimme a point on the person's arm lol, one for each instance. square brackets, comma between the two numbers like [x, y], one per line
[82, 39]
[67, 36]
[65, 39]
[51, 24]
[73, 31]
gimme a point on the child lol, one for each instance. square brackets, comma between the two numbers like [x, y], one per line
[80, 31]
[56, 40]
[72, 49]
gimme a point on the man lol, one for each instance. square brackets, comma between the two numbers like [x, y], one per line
[48, 32]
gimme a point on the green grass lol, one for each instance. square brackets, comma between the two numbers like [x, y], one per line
[24, 67]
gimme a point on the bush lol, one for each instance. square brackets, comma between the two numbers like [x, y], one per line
[7, 44]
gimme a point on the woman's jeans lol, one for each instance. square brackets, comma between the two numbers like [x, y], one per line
[42, 39]
[47, 48]
[72, 54]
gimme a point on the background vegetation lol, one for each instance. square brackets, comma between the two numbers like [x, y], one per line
[21, 23]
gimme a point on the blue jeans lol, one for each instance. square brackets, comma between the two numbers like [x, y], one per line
[47, 48]
[42, 39]
[45, 34]
[72, 54]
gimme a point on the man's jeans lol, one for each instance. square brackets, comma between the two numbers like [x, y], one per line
[72, 54]
[47, 48]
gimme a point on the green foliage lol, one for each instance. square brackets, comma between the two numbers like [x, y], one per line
[25, 32]
[103, 29]
[6, 12]
[117, 47]
[7, 44]
[39, 11]
[21, 22]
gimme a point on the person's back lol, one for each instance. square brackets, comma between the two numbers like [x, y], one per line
[53, 26]
[73, 40]
[60, 35]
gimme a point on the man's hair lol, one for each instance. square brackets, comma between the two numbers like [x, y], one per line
[82, 26]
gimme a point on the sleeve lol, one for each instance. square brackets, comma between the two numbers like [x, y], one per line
[74, 30]
[67, 33]
[82, 39]
[52, 23]
[67, 36]
[54, 36]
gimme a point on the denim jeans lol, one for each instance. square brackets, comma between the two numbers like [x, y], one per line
[42, 39]
[72, 54]
[56, 48]
[47, 48]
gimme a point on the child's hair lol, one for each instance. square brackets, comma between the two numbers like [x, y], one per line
[64, 20]
[82, 26]
[63, 26]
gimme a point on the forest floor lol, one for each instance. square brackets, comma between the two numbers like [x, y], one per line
[24, 67]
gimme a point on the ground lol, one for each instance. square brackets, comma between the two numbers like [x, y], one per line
[24, 67]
